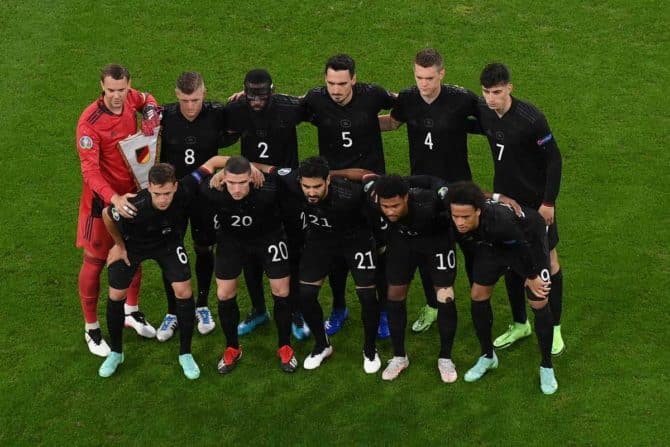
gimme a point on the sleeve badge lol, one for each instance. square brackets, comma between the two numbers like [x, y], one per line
[85, 142]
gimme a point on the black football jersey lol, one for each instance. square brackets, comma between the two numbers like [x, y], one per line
[152, 228]
[437, 132]
[256, 215]
[527, 162]
[426, 214]
[501, 228]
[349, 136]
[341, 213]
[188, 144]
[268, 136]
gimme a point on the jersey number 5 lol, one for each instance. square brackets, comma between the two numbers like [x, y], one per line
[347, 141]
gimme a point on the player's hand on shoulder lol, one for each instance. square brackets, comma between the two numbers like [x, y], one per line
[123, 205]
[151, 118]
[547, 212]
[257, 177]
[117, 253]
[511, 203]
[236, 96]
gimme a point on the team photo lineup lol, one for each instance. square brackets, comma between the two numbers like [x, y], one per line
[303, 222]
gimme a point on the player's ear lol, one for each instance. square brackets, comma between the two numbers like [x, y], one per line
[441, 73]
[328, 180]
[510, 87]
[353, 79]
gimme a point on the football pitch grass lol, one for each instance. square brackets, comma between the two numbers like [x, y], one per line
[597, 69]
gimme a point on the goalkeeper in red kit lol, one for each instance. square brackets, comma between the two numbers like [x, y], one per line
[107, 180]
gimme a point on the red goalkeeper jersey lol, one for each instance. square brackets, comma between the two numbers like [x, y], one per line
[103, 167]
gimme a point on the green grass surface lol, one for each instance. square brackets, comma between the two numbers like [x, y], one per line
[597, 69]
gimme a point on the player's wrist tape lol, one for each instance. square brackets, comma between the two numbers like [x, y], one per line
[495, 197]
[200, 173]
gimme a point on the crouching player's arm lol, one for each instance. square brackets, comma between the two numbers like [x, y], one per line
[118, 252]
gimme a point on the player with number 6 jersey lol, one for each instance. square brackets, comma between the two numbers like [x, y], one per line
[155, 232]
[192, 132]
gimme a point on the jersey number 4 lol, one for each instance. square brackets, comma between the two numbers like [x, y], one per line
[429, 141]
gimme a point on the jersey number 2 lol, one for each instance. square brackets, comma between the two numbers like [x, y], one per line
[263, 146]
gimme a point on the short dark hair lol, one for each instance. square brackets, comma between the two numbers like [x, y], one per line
[391, 185]
[115, 71]
[237, 165]
[258, 82]
[465, 193]
[189, 81]
[341, 62]
[313, 167]
[495, 74]
[429, 57]
[162, 173]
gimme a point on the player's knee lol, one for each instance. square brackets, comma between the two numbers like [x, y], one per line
[445, 294]
[480, 293]
[537, 302]
[226, 291]
[182, 290]
[117, 294]
[280, 287]
[397, 293]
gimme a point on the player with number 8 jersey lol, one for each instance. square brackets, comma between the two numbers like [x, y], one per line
[192, 132]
